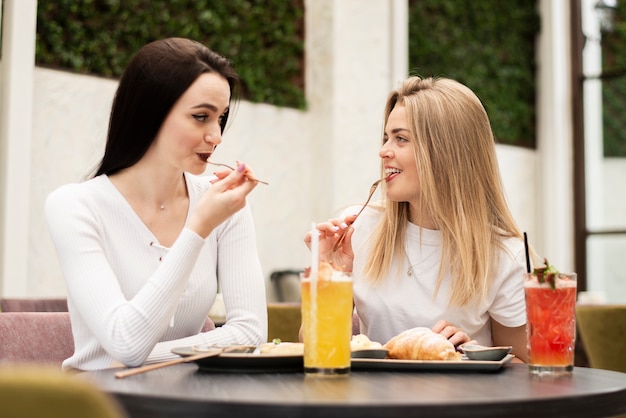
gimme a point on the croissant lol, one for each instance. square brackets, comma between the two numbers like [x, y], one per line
[421, 344]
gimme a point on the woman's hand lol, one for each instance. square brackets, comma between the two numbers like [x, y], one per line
[329, 233]
[225, 197]
[454, 334]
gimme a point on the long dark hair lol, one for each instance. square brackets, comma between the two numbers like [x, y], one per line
[155, 78]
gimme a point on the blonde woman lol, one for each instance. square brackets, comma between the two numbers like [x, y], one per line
[442, 249]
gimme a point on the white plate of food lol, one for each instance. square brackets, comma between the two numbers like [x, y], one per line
[420, 348]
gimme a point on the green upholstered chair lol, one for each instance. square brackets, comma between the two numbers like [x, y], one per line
[283, 321]
[42, 392]
[602, 330]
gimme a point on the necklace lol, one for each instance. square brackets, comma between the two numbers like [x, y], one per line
[409, 270]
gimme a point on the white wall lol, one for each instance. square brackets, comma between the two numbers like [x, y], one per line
[71, 116]
[316, 161]
[16, 108]
[71, 121]
[520, 179]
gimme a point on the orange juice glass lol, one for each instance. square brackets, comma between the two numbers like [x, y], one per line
[327, 324]
[551, 323]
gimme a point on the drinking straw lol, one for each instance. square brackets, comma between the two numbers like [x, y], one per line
[315, 251]
[315, 257]
[527, 256]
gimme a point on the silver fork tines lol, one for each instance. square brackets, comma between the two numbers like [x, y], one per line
[227, 166]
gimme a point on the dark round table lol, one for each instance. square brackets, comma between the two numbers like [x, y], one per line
[184, 391]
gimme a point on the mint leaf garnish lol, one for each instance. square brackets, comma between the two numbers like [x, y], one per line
[547, 273]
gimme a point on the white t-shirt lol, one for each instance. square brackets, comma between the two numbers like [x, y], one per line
[404, 301]
[132, 300]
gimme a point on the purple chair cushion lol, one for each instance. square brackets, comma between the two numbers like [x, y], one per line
[208, 325]
[35, 337]
[41, 337]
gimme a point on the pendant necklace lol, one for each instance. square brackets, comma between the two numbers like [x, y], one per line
[409, 270]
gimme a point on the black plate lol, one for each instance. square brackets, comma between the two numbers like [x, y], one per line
[377, 353]
[281, 363]
[246, 362]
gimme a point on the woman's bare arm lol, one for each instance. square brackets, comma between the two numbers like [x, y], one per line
[516, 337]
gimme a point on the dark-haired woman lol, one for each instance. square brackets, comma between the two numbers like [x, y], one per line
[143, 242]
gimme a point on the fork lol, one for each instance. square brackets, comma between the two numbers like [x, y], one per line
[372, 190]
[227, 166]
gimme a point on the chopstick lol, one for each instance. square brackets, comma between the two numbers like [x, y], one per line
[149, 367]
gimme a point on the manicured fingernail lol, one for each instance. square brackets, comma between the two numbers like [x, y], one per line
[344, 225]
[241, 167]
[335, 228]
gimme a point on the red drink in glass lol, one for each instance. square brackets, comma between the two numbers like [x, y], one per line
[551, 323]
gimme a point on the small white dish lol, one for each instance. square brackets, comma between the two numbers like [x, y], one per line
[481, 352]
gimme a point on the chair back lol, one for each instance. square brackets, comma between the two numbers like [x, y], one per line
[43, 392]
[602, 331]
[208, 325]
[283, 321]
[285, 318]
[33, 305]
[36, 337]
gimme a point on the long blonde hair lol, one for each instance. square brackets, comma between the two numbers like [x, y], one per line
[459, 186]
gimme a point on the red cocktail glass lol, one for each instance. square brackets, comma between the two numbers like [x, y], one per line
[551, 323]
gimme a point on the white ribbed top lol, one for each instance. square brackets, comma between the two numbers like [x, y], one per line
[132, 300]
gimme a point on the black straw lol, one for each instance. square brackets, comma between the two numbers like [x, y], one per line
[527, 257]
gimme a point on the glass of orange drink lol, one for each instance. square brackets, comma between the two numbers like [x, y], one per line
[551, 321]
[327, 321]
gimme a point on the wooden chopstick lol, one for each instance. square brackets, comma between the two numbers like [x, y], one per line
[149, 367]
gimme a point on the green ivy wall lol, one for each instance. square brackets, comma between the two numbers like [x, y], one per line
[264, 38]
[490, 47]
[486, 44]
[614, 86]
